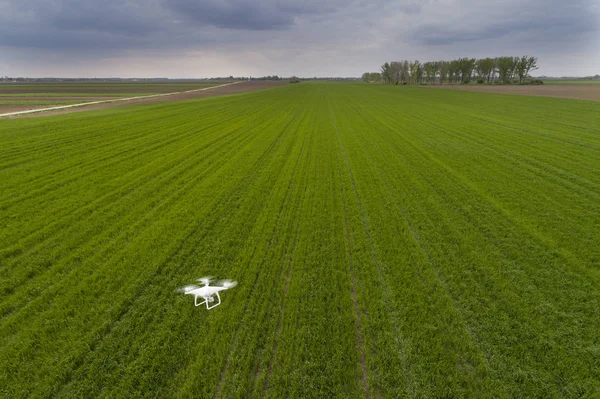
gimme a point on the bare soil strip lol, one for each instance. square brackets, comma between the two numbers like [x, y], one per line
[229, 88]
[578, 92]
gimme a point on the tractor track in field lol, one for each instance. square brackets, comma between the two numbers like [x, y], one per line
[222, 376]
[387, 292]
[360, 341]
[288, 275]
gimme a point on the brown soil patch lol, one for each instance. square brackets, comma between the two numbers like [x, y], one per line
[5, 109]
[578, 92]
[242, 87]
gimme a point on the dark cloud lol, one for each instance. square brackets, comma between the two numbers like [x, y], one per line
[243, 15]
[551, 21]
[114, 17]
[76, 24]
[70, 24]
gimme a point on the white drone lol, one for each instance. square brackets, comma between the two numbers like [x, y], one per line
[207, 292]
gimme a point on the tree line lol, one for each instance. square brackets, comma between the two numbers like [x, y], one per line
[485, 70]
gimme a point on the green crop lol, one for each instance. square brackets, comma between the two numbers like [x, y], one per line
[388, 242]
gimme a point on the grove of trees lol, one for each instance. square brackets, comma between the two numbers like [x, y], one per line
[485, 70]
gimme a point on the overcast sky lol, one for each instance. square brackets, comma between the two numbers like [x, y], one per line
[202, 38]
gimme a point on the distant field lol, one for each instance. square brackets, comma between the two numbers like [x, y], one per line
[32, 94]
[573, 91]
[388, 242]
[571, 82]
[101, 88]
[29, 95]
[36, 102]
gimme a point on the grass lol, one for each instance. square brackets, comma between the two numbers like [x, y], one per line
[388, 241]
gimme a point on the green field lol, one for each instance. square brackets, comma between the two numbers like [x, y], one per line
[388, 242]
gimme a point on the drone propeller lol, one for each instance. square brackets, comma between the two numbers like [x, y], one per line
[228, 283]
[187, 288]
[205, 280]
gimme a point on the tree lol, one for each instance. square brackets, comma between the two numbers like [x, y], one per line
[431, 71]
[396, 71]
[386, 73]
[371, 77]
[443, 70]
[453, 70]
[402, 71]
[466, 66]
[513, 70]
[420, 73]
[519, 67]
[415, 71]
[479, 69]
[505, 67]
[461, 70]
[485, 68]
[375, 77]
[530, 65]
[523, 66]
[494, 70]
[491, 75]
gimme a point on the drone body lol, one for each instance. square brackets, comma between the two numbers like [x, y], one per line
[207, 292]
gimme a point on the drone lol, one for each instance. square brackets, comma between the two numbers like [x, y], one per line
[207, 292]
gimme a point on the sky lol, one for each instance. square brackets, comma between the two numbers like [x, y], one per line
[208, 38]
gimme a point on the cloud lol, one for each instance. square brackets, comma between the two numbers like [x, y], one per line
[70, 24]
[342, 37]
[244, 15]
[76, 24]
[550, 21]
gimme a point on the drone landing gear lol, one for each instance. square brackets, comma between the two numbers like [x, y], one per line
[207, 300]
